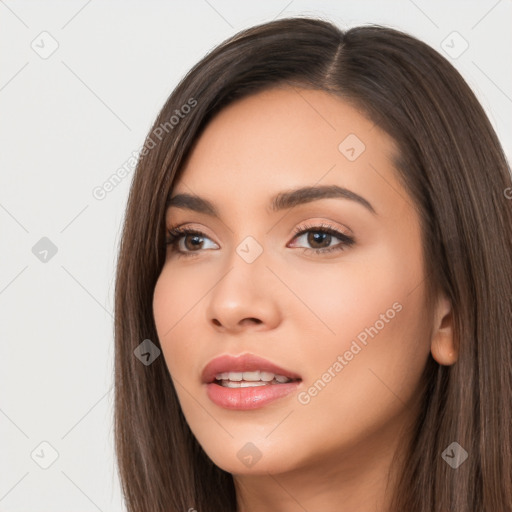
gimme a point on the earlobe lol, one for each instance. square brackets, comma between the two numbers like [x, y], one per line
[443, 344]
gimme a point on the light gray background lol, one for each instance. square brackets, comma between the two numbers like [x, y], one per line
[67, 123]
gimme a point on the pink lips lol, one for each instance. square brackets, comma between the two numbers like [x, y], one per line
[243, 363]
[250, 397]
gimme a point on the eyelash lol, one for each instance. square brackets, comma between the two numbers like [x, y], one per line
[175, 235]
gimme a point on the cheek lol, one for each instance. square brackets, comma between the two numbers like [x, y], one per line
[368, 310]
[173, 300]
[342, 300]
[359, 389]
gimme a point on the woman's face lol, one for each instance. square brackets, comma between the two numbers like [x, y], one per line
[350, 323]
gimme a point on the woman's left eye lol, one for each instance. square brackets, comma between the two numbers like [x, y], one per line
[323, 236]
[320, 237]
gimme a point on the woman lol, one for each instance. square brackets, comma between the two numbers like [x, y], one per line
[318, 241]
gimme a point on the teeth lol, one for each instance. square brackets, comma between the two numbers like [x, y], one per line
[229, 384]
[266, 376]
[252, 376]
[260, 377]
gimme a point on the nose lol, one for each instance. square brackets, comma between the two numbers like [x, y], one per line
[244, 298]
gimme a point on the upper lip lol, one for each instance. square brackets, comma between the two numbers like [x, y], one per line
[242, 363]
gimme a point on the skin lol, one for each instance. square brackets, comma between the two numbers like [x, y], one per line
[299, 309]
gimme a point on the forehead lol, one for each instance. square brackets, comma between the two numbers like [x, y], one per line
[285, 138]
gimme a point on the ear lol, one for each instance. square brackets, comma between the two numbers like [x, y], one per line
[443, 345]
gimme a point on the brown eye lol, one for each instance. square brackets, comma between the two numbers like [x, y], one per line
[191, 238]
[320, 238]
[192, 242]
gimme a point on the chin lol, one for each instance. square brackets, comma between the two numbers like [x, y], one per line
[245, 458]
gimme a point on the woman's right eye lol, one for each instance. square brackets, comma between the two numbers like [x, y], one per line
[191, 239]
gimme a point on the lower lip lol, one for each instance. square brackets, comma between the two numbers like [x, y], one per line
[243, 399]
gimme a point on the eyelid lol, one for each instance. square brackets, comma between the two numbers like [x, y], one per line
[322, 225]
[300, 229]
[186, 226]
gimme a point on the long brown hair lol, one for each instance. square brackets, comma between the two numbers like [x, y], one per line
[451, 163]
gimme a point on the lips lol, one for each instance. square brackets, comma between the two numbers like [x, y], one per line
[243, 363]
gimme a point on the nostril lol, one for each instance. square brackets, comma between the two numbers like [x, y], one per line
[251, 320]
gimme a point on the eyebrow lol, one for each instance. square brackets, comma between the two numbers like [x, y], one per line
[281, 201]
